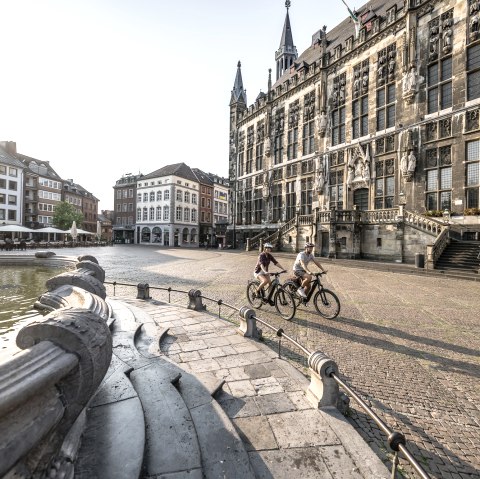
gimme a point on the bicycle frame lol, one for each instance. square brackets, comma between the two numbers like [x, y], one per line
[271, 290]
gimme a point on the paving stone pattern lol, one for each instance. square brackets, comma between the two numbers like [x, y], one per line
[408, 344]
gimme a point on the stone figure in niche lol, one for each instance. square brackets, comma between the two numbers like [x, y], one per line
[356, 84]
[411, 80]
[412, 163]
[341, 93]
[365, 80]
[267, 185]
[350, 175]
[447, 35]
[335, 95]
[320, 177]
[474, 21]
[404, 164]
[381, 69]
[391, 65]
[322, 123]
[267, 146]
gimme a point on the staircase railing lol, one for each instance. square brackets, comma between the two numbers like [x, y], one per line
[435, 250]
[273, 238]
[254, 241]
[428, 225]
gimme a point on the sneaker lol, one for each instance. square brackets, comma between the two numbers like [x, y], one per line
[301, 292]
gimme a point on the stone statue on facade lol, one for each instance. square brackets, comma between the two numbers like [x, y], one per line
[408, 164]
[268, 146]
[320, 181]
[322, 123]
[411, 82]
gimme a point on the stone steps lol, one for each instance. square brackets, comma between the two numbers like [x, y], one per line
[153, 416]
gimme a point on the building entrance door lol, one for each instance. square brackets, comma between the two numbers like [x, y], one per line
[325, 240]
[360, 198]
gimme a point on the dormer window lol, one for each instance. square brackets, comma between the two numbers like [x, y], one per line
[391, 15]
[338, 52]
[349, 44]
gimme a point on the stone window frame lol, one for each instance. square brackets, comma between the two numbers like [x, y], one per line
[438, 170]
[384, 176]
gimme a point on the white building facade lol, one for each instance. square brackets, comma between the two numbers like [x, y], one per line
[167, 207]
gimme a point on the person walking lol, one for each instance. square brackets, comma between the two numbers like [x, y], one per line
[261, 268]
[301, 270]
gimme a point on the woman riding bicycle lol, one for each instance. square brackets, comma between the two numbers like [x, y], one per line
[300, 269]
[261, 268]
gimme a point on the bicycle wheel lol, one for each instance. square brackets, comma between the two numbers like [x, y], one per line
[291, 287]
[252, 299]
[284, 303]
[326, 303]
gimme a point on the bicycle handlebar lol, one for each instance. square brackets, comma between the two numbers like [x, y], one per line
[278, 273]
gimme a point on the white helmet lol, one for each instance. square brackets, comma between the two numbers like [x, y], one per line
[309, 245]
[268, 245]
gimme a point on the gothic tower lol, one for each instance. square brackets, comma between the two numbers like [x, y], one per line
[287, 52]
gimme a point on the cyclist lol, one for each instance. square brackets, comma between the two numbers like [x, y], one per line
[261, 268]
[300, 269]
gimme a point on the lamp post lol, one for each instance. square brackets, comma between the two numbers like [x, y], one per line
[446, 216]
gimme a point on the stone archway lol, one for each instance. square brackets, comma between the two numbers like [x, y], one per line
[146, 235]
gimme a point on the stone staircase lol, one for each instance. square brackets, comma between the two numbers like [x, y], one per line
[150, 418]
[460, 256]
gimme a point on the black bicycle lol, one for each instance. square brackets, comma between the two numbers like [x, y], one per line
[325, 301]
[277, 296]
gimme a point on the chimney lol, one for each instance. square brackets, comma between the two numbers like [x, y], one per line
[9, 146]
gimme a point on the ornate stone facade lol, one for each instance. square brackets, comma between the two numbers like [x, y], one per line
[388, 117]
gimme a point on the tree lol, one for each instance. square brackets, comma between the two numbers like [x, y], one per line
[65, 214]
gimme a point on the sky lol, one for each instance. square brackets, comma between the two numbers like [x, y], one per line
[103, 88]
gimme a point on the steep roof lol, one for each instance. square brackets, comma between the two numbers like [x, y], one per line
[203, 177]
[287, 37]
[38, 167]
[341, 32]
[238, 92]
[178, 169]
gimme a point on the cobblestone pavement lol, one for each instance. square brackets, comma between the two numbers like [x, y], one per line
[409, 345]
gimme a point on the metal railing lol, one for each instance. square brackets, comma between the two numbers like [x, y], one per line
[395, 439]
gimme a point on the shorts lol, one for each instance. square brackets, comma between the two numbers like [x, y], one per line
[261, 273]
[300, 274]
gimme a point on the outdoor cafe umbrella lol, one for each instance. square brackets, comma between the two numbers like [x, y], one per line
[15, 229]
[74, 231]
[48, 230]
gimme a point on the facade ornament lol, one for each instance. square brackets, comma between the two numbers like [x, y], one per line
[410, 83]
[365, 81]
[322, 123]
[447, 35]
[391, 66]
[382, 69]
[474, 22]
[358, 168]
[267, 185]
[268, 146]
[320, 180]
[433, 41]
[356, 85]
[408, 164]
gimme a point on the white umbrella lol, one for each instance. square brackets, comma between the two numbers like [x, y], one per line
[99, 230]
[74, 231]
[49, 229]
[16, 229]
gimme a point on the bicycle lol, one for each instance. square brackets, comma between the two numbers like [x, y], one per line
[325, 301]
[277, 296]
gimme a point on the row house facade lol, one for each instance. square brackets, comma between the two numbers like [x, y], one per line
[40, 189]
[124, 216]
[368, 143]
[167, 207]
[12, 173]
[177, 206]
[84, 202]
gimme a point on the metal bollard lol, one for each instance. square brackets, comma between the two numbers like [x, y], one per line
[323, 390]
[195, 300]
[143, 291]
[248, 324]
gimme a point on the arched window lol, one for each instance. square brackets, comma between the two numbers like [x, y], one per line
[194, 215]
[159, 196]
[178, 216]
[159, 213]
[193, 234]
[194, 198]
[146, 235]
[157, 235]
[145, 214]
[152, 213]
[139, 214]
[152, 196]
[186, 214]
[166, 213]
[179, 195]
[187, 197]
[145, 196]
[185, 235]
[166, 195]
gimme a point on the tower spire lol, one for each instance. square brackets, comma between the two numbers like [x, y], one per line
[287, 52]
[239, 94]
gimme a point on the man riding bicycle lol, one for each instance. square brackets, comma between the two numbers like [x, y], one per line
[261, 268]
[301, 270]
